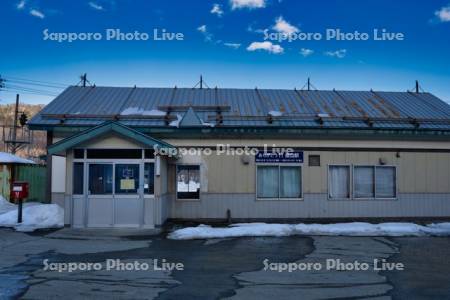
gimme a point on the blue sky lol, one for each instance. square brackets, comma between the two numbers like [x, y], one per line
[224, 41]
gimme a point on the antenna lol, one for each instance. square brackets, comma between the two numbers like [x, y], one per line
[417, 88]
[201, 83]
[84, 80]
[308, 85]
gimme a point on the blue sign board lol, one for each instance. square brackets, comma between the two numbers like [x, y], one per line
[279, 157]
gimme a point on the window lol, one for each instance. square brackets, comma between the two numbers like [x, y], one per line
[114, 153]
[290, 182]
[375, 182]
[282, 182]
[127, 178]
[78, 153]
[100, 179]
[314, 160]
[386, 182]
[149, 153]
[78, 178]
[268, 182]
[364, 181]
[149, 176]
[188, 182]
[339, 182]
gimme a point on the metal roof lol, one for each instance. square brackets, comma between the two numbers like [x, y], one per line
[225, 107]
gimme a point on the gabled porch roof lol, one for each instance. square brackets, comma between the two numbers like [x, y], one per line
[106, 127]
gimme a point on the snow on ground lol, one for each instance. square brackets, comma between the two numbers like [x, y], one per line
[346, 229]
[141, 111]
[34, 215]
[9, 158]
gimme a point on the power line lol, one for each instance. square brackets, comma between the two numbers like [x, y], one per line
[36, 81]
[15, 91]
[34, 84]
[18, 87]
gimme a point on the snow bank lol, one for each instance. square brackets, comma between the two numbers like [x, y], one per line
[34, 215]
[347, 229]
[142, 112]
[8, 158]
[5, 205]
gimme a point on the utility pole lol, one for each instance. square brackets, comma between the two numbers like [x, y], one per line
[14, 128]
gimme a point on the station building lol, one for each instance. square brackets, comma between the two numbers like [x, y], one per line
[137, 157]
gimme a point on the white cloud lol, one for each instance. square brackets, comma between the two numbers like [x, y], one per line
[232, 45]
[254, 30]
[208, 36]
[95, 6]
[306, 52]
[443, 14]
[266, 46]
[217, 9]
[238, 4]
[284, 27]
[202, 28]
[338, 53]
[21, 5]
[36, 13]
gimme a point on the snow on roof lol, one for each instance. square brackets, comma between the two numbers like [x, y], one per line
[141, 111]
[8, 158]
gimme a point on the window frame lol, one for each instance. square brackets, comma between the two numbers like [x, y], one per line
[375, 182]
[350, 182]
[279, 165]
[199, 179]
[141, 161]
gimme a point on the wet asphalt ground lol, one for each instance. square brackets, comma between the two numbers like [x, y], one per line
[222, 268]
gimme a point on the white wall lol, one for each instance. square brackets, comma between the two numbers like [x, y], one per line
[58, 174]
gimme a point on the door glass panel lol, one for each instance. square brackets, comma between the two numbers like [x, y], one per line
[78, 178]
[100, 179]
[127, 178]
[149, 176]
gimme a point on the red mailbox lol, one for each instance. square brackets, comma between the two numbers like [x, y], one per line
[19, 190]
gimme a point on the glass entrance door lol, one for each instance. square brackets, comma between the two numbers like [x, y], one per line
[115, 194]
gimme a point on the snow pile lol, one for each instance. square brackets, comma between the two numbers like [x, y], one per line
[275, 113]
[5, 205]
[142, 112]
[347, 229]
[8, 158]
[34, 215]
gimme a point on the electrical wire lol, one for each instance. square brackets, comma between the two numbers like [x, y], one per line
[36, 81]
[18, 87]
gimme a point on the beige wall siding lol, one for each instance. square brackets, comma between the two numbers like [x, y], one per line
[418, 172]
[386, 144]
